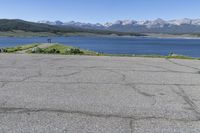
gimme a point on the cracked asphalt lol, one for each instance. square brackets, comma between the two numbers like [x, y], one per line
[88, 94]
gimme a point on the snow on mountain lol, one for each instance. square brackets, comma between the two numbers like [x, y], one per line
[149, 23]
[158, 22]
[51, 23]
[181, 21]
[108, 24]
[185, 25]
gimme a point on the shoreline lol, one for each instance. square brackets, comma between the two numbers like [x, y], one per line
[148, 36]
[50, 49]
[169, 36]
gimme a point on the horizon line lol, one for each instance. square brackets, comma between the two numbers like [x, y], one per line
[101, 22]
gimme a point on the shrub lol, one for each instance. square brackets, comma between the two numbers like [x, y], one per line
[37, 50]
[5, 50]
[1, 50]
[73, 51]
[67, 51]
[53, 51]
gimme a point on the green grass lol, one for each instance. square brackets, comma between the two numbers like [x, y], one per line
[62, 49]
[58, 47]
[179, 57]
[20, 48]
[152, 56]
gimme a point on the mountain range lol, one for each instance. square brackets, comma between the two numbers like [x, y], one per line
[178, 26]
[14, 27]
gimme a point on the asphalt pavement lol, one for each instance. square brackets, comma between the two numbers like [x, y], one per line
[91, 94]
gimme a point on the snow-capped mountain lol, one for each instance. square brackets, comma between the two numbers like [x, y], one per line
[179, 26]
[75, 24]
[51, 23]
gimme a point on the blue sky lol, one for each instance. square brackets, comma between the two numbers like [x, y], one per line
[94, 11]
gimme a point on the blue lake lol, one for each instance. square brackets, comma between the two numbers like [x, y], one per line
[117, 45]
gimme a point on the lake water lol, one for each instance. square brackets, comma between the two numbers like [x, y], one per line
[118, 45]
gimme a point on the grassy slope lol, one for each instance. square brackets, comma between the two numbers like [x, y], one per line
[62, 49]
[20, 48]
[58, 47]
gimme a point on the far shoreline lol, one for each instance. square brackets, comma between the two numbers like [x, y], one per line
[171, 36]
[156, 36]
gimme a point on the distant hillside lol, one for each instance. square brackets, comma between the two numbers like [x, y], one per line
[10, 25]
[7, 25]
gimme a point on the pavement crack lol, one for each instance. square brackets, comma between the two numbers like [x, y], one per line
[141, 92]
[165, 70]
[101, 83]
[157, 67]
[14, 62]
[4, 84]
[32, 76]
[178, 64]
[173, 71]
[144, 94]
[131, 126]
[188, 100]
[92, 67]
[123, 76]
[13, 110]
[68, 75]
[3, 103]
